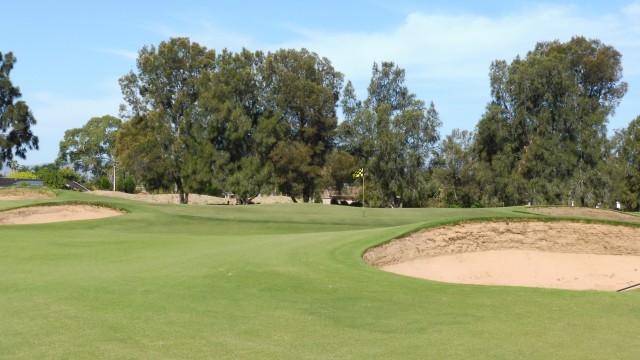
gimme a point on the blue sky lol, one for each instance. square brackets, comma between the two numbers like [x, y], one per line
[71, 53]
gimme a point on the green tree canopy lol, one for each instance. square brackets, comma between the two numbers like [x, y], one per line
[543, 136]
[54, 176]
[454, 169]
[91, 148]
[239, 125]
[16, 119]
[303, 90]
[391, 133]
[140, 151]
[339, 169]
[210, 122]
[626, 148]
[162, 96]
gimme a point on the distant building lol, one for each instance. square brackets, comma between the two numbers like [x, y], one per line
[348, 196]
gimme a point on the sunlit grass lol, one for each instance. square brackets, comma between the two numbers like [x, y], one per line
[274, 282]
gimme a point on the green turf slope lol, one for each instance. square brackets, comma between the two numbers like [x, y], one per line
[274, 282]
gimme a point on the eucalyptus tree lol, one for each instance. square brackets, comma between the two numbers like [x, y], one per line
[543, 135]
[162, 95]
[239, 125]
[626, 163]
[140, 150]
[90, 148]
[302, 89]
[16, 118]
[391, 133]
[339, 169]
[454, 170]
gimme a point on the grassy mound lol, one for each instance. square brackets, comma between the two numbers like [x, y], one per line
[25, 193]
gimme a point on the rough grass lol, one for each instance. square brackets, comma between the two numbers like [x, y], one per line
[274, 282]
[39, 192]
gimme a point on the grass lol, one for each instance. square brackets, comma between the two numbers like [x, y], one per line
[274, 282]
[41, 192]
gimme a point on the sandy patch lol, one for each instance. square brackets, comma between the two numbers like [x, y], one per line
[24, 194]
[193, 198]
[585, 212]
[57, 213]
[538, 254]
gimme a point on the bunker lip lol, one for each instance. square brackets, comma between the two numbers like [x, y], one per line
[585, 212]
[557, 254]
[55, 213]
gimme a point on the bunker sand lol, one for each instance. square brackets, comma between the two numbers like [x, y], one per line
[55, 213]
[567, 255]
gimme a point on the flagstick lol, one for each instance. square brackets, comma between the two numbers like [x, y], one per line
[363, 192]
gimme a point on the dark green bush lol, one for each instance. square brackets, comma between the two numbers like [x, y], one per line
[103, 183]
[51, 178]
[127, 185]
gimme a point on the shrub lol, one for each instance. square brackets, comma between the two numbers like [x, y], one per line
[128, 185]
[103, 183]
[57, 178]
[52, 178]
[24, 175]
[69, 174]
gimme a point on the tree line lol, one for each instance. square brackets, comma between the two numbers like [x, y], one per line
[249, 123]
[543, 137]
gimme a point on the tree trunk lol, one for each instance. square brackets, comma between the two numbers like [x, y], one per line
[184, 196]
[306, 195]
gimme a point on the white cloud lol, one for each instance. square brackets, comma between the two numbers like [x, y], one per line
[213, 37]
[206, 34]
[447, 56]
[127, 54]
[458, 46]
[632, 9]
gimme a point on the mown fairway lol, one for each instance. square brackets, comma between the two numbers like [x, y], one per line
[274, 282]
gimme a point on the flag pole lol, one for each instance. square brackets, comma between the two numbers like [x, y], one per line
[357, 174]
[363, 192]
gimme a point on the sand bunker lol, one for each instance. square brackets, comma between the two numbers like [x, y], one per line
[55, 213]
[565, 255]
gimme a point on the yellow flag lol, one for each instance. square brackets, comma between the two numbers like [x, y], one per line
[358, 174]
